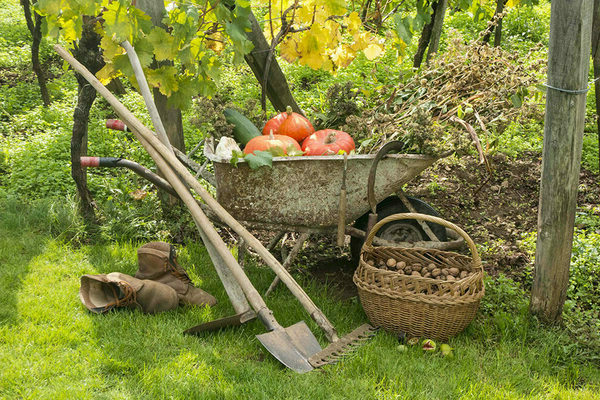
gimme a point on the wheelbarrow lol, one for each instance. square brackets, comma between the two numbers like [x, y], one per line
[302, 194]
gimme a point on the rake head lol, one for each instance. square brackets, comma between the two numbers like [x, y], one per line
[342, 347]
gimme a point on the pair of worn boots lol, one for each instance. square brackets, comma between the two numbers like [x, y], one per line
[160, 284]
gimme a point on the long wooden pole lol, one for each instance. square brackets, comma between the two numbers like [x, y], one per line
[568, 68]
[142, 132]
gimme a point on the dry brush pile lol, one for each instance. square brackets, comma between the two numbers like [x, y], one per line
[468, 91]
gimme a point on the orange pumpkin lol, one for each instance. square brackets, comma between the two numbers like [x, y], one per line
[264, 143]
[274, 123]
[327, 142]
[290, 124]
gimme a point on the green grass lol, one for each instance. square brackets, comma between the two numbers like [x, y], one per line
[52, 348]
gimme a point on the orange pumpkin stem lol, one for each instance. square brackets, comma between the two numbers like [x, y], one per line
[289, 110]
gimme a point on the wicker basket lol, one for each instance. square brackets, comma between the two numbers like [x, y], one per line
[418, 306]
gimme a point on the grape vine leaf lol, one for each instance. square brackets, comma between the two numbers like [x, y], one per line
[164, 78]
[163, 44]
[259, 159]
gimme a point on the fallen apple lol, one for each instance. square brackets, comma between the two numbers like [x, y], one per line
[446, 350]
[428, 345]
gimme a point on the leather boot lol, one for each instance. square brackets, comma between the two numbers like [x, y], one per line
[157, 261]
[104, 292]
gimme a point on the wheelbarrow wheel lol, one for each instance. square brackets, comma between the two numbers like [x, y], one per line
[398, 231]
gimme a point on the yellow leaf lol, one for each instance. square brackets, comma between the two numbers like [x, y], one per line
[343, 56]
[512, 3]
[289, 50]
[361, 41]
[196, 48]
[353, 22]
[215, 42]
[373, 51]
[107, 73]
[110, 47]
[313, 60]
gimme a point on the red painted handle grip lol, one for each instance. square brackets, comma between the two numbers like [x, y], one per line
[89, 161]
[116, 124]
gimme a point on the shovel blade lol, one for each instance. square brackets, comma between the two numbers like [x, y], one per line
[303, 339]
[284, 348]
[234, 320]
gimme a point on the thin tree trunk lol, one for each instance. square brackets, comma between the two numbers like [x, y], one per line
[86, 52]
[424, 39]
[498, 28]
[568, 68]
[436, 30]
[34, 24]
[596, 61]
[278, 90]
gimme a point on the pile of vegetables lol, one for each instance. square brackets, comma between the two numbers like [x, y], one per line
[286, 134]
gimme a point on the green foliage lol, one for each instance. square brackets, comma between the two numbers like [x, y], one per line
[584, 273]
[526, 25]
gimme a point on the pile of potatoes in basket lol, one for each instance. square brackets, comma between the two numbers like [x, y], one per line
[430, 270]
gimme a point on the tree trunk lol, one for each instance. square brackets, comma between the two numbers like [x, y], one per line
[424, 39]
[171, 117]
[596, 61]
[278, 90]
[498, 28]
[568, 67]
[35, 27]
[86, 52]
[439, 12]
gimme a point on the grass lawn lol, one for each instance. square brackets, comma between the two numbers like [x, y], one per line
[51, 347]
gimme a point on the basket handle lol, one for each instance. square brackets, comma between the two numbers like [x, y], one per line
[428, 218]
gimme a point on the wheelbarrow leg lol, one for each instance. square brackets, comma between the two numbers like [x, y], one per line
[241, 251]
[304, 236]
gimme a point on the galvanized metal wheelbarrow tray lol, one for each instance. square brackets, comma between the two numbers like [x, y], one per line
[303, 193]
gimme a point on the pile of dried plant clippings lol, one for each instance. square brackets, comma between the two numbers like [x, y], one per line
[468, 91]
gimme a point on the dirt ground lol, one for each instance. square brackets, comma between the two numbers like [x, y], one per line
[494, 209]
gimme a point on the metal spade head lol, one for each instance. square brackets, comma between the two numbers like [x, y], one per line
[292, 346]
[234, 320]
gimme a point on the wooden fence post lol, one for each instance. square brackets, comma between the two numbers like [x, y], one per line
[568, 68]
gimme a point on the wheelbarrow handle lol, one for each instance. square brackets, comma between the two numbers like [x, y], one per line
[383, 151]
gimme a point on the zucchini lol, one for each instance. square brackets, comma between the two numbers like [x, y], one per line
[243, 128]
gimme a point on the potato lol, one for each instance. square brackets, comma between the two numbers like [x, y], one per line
[464, 274]
[450, 278]
[427, 275]
[436, 272]
[408, 270]
[431, 267]
[445, 271]
[400, 265]
[417, 267]
[454, 271]
[371, 262]
[416, 273]
[390, 262]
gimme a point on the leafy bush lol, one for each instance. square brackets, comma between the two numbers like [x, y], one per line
[527, 25]
[584, 273]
